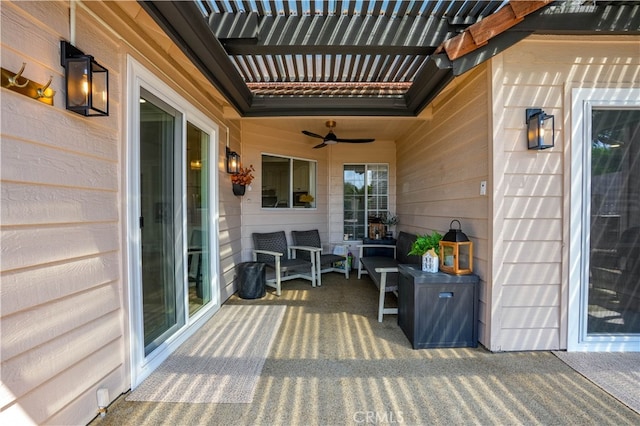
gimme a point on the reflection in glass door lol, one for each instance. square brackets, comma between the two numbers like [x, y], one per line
[614, 258]
[198, 254]
[159, 147]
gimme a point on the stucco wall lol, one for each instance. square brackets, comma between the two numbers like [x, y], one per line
[64, 290]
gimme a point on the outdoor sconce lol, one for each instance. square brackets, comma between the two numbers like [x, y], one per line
[540, 129]
[233, 162]
[456, 252]
[86, 82]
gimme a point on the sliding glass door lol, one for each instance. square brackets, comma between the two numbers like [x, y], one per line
[160, 133]
[604, 252]
[613, 301]
[172, 225]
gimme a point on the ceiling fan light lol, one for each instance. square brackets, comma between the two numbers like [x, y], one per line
[331, 137]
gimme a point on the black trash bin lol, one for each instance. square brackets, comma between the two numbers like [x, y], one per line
[251, 280]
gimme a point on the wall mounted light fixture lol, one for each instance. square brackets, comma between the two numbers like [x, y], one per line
[86, 82]
[233, 162]
[540, 129]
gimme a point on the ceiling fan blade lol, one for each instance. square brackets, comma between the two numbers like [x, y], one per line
[355, 140]
[320, 145]
[313, 135]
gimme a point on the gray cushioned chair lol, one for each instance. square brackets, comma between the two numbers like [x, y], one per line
[283, 262]
[325, 262]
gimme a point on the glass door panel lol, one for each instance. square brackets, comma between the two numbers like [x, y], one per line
[198, 254]
[159, 133]
[614, 258]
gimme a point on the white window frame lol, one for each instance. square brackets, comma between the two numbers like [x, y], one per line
[583, 101]
[366, 195]
[138, 76]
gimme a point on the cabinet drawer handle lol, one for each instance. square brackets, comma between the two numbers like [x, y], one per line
[446, 295]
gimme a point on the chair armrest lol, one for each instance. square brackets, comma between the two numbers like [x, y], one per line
[312, 251]
[267, 252]
[306, 248]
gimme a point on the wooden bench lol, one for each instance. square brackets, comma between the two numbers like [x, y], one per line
[383, 270]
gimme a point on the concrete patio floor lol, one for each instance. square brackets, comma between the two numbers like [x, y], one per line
[333, 363]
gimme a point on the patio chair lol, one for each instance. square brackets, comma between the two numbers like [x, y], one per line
[283, 262]
[325, 262]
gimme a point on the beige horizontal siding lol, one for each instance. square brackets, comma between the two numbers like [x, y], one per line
[533, 339]
[530, 287]
[440, 164]
[64, 326]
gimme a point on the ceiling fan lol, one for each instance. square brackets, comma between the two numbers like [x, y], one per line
[331, 137]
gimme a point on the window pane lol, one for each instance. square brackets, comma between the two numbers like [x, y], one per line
[354, 196]
[157, 216]
[275, 181]
[366, 198]
[288, 182]
[304, 173]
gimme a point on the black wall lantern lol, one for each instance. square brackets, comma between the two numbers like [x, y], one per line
[86, 82]
[540, 129]
[233, 162]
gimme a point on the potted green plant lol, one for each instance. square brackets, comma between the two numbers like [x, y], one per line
[428, 247]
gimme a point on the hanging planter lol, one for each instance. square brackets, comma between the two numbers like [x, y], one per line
[238, 189]
[240, 180]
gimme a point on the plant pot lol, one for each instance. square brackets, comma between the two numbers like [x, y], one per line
[430, 262]
[238, 189]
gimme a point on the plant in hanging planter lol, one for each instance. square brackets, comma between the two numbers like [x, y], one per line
[244, 176]
[241, 179]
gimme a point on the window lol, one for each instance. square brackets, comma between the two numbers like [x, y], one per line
[366, 199]
[288, 182]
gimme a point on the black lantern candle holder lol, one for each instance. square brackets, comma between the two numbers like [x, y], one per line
[456, 251]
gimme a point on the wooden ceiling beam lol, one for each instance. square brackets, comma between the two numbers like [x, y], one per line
[479, 34]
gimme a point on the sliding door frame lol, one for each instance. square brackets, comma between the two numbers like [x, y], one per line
[142, 365]
[584, 100]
